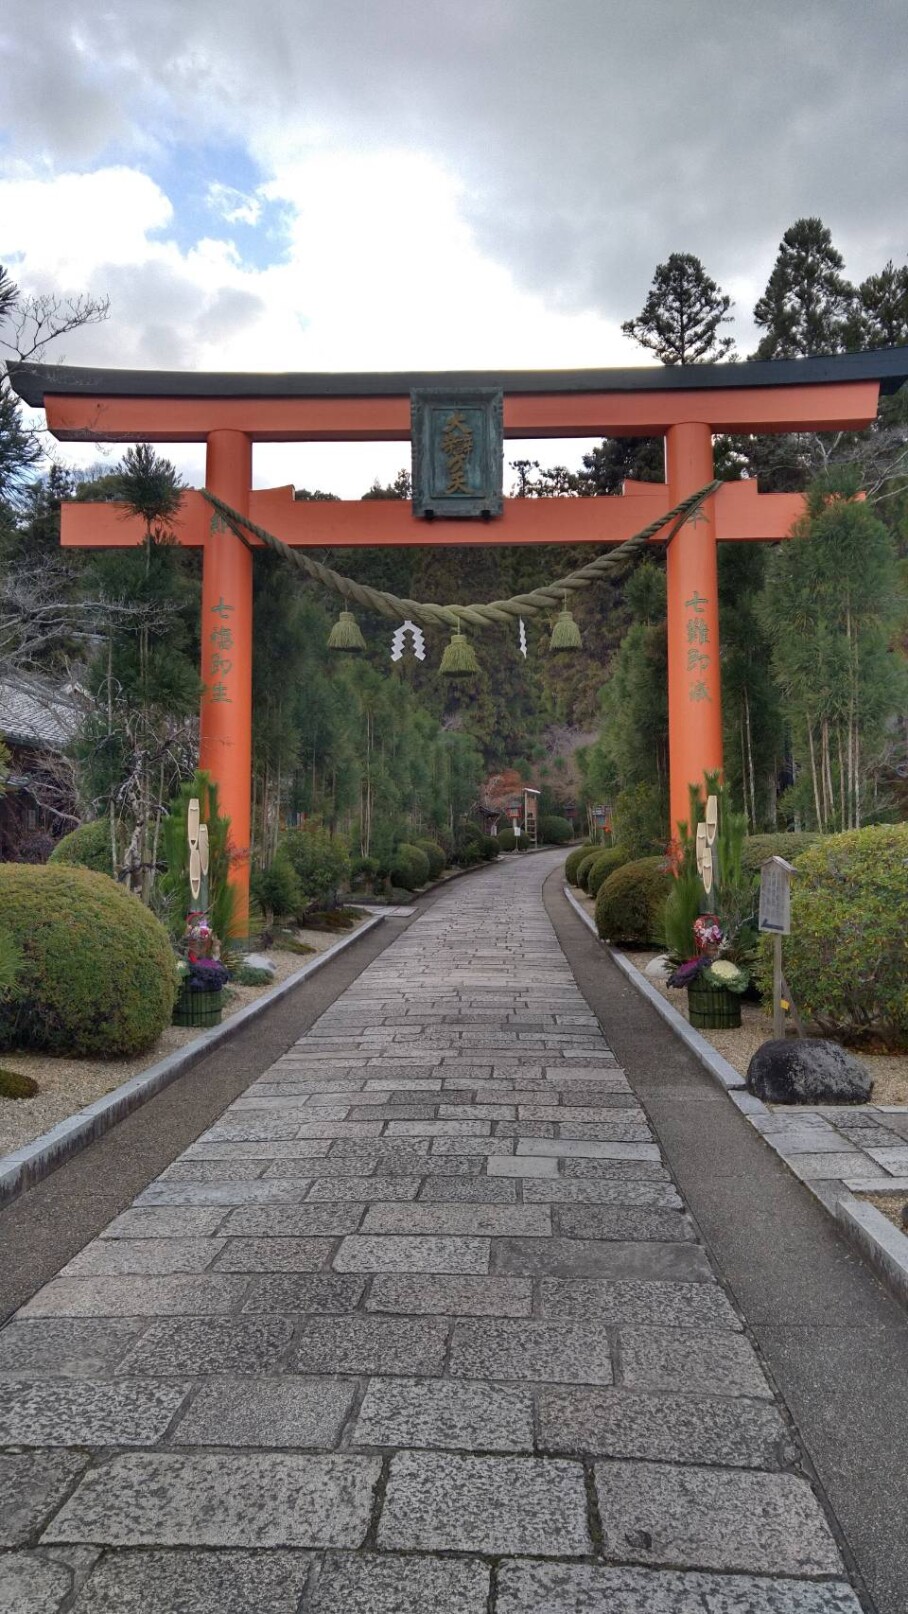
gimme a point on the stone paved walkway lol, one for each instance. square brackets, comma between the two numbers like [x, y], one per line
[420, 1323]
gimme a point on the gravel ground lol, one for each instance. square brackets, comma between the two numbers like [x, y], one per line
[67, 1085]
[889, 1071]
[891, 1205]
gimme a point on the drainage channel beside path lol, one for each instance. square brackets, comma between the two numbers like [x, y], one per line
[421, 1319]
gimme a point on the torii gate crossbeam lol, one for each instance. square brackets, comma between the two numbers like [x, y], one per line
[686, 404]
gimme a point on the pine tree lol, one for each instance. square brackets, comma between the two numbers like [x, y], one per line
[680, 319]
[883, 317]
[808, 306]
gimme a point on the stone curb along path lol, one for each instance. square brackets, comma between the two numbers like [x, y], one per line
[37, 1159]
[420, 1320]
[806, 1140]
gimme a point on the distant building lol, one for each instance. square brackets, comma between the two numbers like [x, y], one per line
[38, 720]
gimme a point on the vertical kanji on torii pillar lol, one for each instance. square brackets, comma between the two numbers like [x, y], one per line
[225, 738]
[694, 686]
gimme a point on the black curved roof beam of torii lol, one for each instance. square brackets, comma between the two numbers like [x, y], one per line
[887, 366]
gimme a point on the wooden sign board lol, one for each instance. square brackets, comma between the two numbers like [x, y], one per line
[775, 896]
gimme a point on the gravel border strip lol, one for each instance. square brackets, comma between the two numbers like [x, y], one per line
[866, 1228]
[44, 1154]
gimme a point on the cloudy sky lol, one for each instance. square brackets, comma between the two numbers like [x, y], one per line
[384, 184]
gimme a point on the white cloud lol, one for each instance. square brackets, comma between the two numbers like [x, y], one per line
[367, 282]
[233, 206]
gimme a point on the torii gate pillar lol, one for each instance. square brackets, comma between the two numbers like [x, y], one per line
[225, 727]
[694, 691]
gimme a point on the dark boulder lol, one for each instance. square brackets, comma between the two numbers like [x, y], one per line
[809, 1070]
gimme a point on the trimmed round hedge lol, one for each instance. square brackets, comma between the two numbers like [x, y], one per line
[631, 901]
[98, 975]
[614, 857]
[846, 959]
[435, 855]
[787, 844]
[574, 859]
[583, 868]
[87, 847]
[555, 830]
[409, 867]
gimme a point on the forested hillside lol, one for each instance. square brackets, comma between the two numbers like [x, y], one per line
[813, 631]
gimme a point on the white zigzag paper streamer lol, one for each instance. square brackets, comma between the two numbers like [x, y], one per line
[400, 634]
[523, 639]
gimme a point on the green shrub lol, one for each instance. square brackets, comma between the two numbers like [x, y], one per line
[614, 857]
[583, 868]
[409, 867]
[846, 959]
[574, 859]
[87, 847]
[757, 848]
[98, 974]
[555, 831]
[248, 975]
[631, 901]
[14, 1085]
[490, 848]
[508, 841]
[10, 962]
[435, 855]
[320, 861]
[469, 854]
[276, 889]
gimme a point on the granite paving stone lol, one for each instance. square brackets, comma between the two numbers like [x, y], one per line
[550, 1351]
[167, 1222]
[691, 1361]
[274, 1255]
[732, 1433]
[593, 1258]
[373, 1584]
[524, 1165]
[479, 1190]
[361, 1344]
[293, 1221]
[67, 1344]
[196, 1582]
[601, 1191]
[427, 1294]
[284, 1192]
[287, 1410]
[209, 1345]
[594, 1589]
[407, 1254]
[283, 1292]
[32, 1485]
[614, 1170]
[157, 1257]
[84, 1412]
[236, 1499]
[623, 1222]
[118, 1295]
[32, 1584]
[650, 1304]
[363, 1190]
[213, 1171]
[440, 1502]
[435, 1413]
[709, 1518]
[588, 1149]
[532, 1221]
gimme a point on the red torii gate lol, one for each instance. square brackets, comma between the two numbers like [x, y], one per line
[686, 404]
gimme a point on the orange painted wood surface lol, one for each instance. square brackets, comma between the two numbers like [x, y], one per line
[742, 514]
[848, 406]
